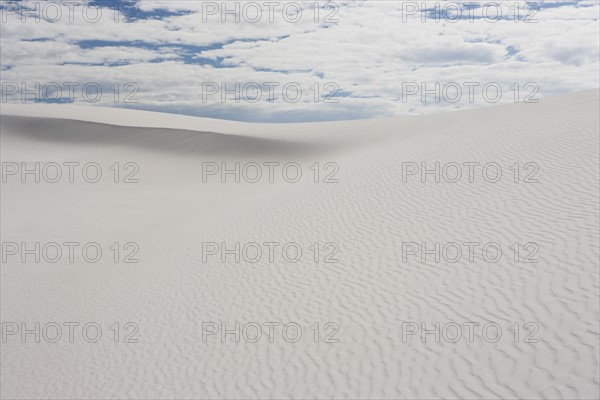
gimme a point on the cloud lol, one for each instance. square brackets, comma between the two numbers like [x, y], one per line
[172, 50]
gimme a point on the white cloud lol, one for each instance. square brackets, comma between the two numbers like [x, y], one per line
[369, 54]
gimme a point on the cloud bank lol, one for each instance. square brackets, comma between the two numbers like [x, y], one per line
[297, 61]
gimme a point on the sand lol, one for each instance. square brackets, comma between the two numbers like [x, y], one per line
[367, 208]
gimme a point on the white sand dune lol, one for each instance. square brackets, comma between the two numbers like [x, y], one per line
[369, 213]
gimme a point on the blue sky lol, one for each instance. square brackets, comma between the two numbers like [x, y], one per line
[340, 60]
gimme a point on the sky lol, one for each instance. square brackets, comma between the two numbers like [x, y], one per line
[297, 61]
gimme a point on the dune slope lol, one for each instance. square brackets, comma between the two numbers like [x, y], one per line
[367, 208]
